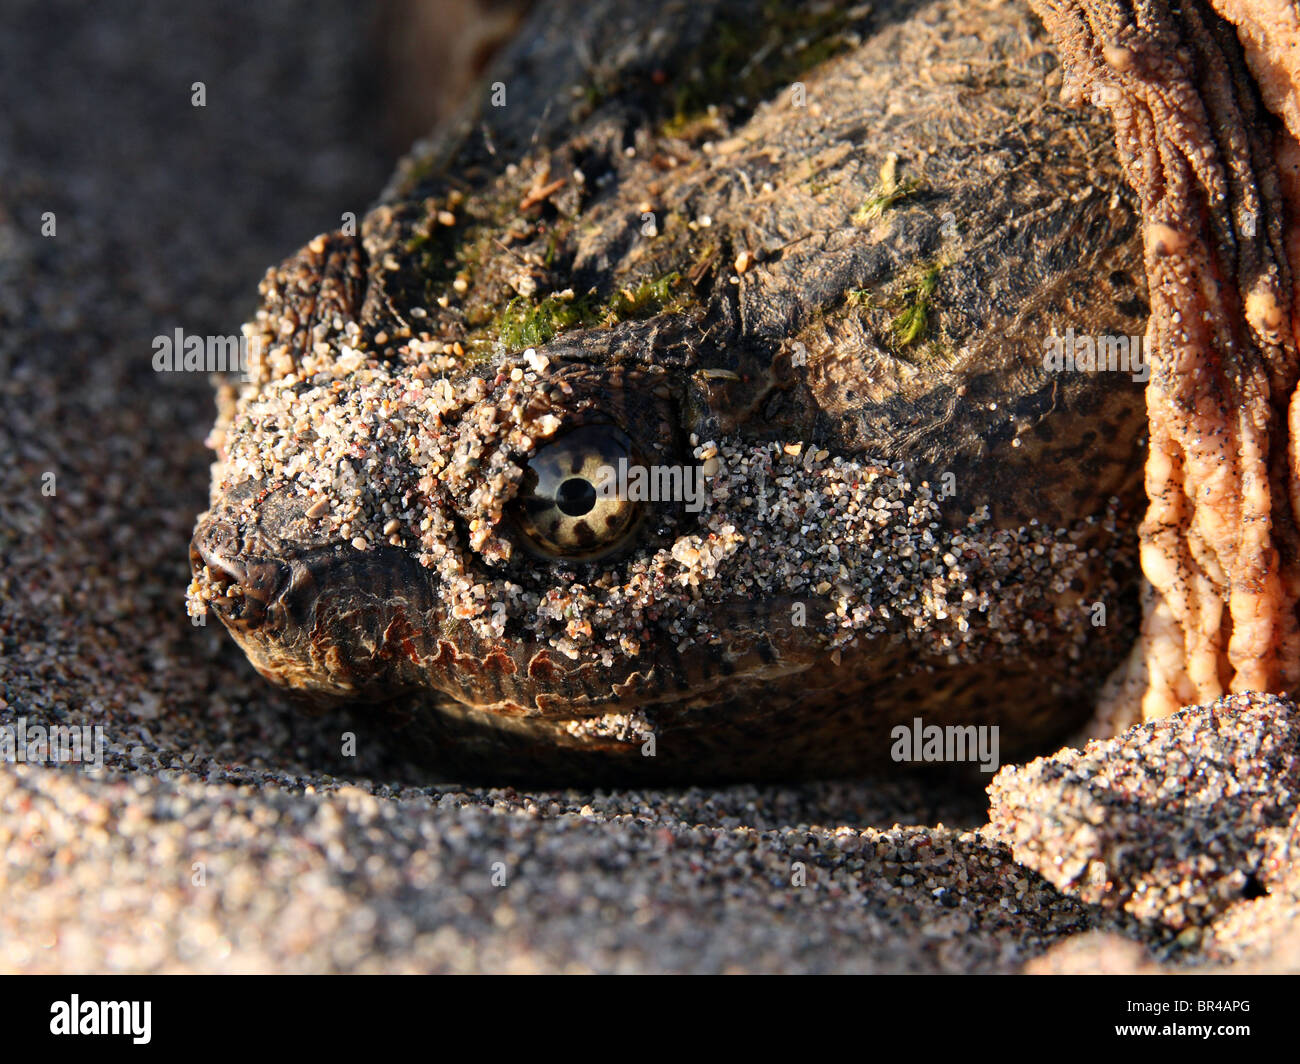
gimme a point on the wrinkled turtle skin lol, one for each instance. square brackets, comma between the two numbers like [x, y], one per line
[753, 282]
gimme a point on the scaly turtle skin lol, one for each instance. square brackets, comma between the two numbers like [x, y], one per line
[831, 293]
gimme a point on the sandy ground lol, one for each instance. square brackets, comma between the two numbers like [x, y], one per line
[227, 833]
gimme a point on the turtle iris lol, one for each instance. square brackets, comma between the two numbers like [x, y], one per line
[568, 505]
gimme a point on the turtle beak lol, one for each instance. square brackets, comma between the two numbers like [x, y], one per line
[248, 586]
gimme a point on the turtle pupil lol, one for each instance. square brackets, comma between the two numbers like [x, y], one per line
[576, 497]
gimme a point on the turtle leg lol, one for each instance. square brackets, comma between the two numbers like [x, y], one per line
[1206, 125]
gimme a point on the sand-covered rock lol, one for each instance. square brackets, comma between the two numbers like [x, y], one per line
[1174, 821]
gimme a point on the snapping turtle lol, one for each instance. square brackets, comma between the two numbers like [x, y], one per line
[699, 407]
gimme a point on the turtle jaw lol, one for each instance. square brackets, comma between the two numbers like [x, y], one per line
[339, 625]
[368, 629]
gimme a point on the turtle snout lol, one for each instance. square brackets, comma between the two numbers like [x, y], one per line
[237, 587]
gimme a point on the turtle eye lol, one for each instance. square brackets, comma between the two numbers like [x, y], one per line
[568, 505]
